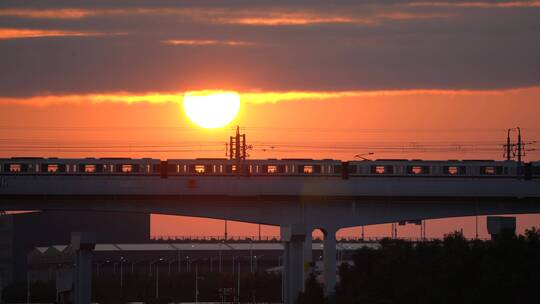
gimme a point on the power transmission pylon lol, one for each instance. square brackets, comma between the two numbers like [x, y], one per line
[238, 151]
[237, 146]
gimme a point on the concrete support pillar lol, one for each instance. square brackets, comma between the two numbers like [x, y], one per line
[83, 244]
[308, 256]
[293, 255]
[329, 262]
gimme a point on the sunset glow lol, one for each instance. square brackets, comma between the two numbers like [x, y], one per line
[211, 109]
[413, 79]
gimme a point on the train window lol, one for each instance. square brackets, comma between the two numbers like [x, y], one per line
[382, 169]
[52, 168]
[230, 168]
[273, 169]
[306, 169]
[199, 168]
[89, 168]
[156, 168]
[353, 169]
[491, 170]
[309, 169]
[338, 169]
[455, 170]
[15, 168]
[418, 169]
[202, 169]
[126, 168]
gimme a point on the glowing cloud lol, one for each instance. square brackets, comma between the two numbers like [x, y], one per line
[478, 4]
[208, 42]
[62, 13]
[247, 97]
[119, 97]
[14, 33]
[247, 16]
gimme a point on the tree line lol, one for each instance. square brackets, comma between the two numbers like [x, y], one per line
[452, 270]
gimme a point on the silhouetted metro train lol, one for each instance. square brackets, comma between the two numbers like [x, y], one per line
[270, 167]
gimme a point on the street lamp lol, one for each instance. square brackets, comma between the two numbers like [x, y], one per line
[196, 283]
[179, 260]
[220, 256]
[121, 274]
[282, 275]
[97, 268]
[251, 256]
[238, 291]
[238, 279]
[257, 257]
[133, 266]
[157, 278]
[157, 274]
[169, 268]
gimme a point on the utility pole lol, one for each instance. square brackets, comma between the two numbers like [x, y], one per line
[508, 145]
[520, 153]
[476, 224]
[423, 226]
[519, 147]
[394, 230]
[226, 230]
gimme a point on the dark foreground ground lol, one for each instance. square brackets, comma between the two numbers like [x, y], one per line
[452, 270]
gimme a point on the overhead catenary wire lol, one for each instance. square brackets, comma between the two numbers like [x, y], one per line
[65, 145]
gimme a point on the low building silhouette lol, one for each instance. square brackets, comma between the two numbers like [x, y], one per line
[20, 233]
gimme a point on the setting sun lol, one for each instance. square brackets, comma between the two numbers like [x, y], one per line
[211, 109]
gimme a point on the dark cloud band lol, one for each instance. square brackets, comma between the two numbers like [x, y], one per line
[267, 45]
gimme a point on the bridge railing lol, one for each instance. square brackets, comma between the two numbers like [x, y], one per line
[274, 238]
